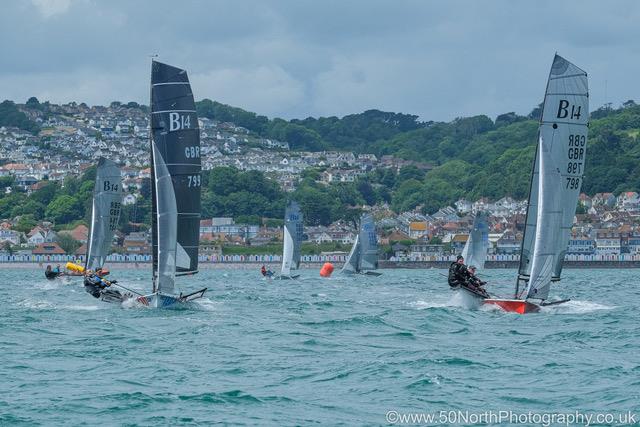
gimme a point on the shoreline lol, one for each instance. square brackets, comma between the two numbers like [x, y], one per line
[414, 265]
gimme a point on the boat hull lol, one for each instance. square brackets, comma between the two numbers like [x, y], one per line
[166, 301]
[514, 305]
[293, 277]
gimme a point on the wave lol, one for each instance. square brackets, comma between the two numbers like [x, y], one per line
[577, 307]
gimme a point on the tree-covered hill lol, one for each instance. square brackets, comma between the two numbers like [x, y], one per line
[474, 156]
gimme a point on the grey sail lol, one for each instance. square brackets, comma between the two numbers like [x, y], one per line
[175, 166]
[368, 240]
[293, 233]
[475, 250]
[353, 260]
[105, 213]
[560, 160]
[167, 226]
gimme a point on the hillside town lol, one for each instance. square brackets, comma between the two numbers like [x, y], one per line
[74, 136]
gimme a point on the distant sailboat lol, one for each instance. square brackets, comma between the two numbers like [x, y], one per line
[293, 234]
[105, 213]
[363, 258]
[555, 185]
[175, 185]
[475, 250]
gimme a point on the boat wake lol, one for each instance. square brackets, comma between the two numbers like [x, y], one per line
[577, 307]
[458, 299]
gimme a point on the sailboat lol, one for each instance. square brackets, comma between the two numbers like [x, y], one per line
[175, 185]
[293, 232]
[555, 186]
[363, 258]
[105, 215]
[475, 250]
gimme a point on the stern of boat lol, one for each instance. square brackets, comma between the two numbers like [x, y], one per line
[514, 305]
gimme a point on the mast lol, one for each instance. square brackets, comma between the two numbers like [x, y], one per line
[154, 205]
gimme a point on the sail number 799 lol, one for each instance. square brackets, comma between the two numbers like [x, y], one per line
[193, 181]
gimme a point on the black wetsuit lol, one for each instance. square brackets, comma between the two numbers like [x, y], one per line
[476, 285]
[94, 285]
[51, 274]
[458, 274]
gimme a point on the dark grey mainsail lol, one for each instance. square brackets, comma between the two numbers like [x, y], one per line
[368, 244]
[105, 213]
[175, 176]
[364, 252]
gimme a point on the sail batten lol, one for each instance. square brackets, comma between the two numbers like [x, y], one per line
[556, 179]
[176, 180]
[105, 213]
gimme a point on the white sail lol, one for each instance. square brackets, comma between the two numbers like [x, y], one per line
[293, 230]
[475, 250]
[560, 160]
[105, 213]
[287, 253]
[167, 223]
[368, 243]
[353, 260]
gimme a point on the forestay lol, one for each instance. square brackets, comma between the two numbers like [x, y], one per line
[105, 213]
[555, 188]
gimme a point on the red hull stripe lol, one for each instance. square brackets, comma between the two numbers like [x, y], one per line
[514, 305]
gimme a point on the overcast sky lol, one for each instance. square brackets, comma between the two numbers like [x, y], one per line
[297, 58]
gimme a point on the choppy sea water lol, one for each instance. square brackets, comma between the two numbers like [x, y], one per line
[342, 351]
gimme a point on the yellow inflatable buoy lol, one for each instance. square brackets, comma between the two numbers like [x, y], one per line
[75, 267]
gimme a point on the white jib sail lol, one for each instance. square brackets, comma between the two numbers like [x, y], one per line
[475, 250]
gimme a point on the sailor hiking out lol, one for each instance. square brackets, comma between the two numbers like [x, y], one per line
[458, 273]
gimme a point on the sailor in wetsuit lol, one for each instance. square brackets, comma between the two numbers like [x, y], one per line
[474, 281]
[265, 272]
[95, 283]
[458, 273]
[50, 273]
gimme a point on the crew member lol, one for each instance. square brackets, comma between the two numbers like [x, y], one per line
[95, 283]
[474, 281]
[265, 272]
[458, 273]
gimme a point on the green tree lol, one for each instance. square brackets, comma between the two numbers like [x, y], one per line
[68, 244]
[64, 209]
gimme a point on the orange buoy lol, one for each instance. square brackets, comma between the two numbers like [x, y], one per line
[326, 269]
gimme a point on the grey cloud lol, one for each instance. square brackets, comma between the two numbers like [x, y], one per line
[293, 58]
